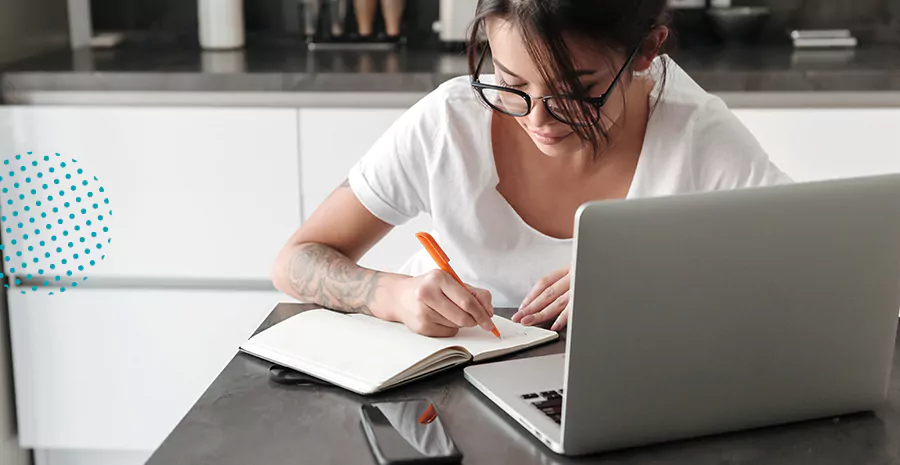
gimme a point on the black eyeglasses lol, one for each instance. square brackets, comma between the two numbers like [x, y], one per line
[516, 103]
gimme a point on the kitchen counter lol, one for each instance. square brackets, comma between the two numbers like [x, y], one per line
[291, 75]
[245, 418]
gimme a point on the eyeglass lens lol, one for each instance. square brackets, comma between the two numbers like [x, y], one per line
[514, 104]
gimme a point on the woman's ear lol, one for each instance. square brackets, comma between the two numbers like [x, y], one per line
[650, 50]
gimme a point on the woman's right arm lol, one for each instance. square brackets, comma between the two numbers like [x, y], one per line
[318, 265]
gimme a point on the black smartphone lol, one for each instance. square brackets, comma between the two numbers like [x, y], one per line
[408, 431]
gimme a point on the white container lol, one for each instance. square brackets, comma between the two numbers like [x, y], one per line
[455, 18]
[221, 24]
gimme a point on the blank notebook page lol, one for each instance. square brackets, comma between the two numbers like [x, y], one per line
[478, 341]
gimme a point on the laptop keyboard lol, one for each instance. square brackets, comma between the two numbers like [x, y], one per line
[549, 402]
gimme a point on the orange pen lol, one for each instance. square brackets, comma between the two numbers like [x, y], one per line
[443, 262]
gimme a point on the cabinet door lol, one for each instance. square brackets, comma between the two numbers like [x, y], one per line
[196, 192]
[819, 144]
[118, 369]
[331, 141]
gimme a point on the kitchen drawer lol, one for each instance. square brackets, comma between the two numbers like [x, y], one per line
[115, 369]
[196, 192]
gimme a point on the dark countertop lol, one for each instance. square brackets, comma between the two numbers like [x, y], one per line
[244, 418]
[293, 68]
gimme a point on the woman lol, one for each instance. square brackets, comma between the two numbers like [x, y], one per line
[581, 108]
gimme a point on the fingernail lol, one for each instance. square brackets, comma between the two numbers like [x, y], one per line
[526, 320]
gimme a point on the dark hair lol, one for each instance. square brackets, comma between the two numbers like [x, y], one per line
[615, 26]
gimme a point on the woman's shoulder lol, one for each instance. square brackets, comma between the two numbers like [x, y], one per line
[453, 101]
[448, 129]
[683, 114]
[714, 147]
[457, 89]
[441, 144]
[450, 117]
[675, 90]
[681, 110]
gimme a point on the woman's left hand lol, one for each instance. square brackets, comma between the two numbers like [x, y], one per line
[548, 299]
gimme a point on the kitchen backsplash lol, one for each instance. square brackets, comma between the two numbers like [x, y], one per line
[30, 27]
[870, 20]
[277, 17]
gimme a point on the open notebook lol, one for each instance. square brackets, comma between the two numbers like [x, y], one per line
[367, 355]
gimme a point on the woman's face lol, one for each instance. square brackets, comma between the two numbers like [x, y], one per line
[514, 68]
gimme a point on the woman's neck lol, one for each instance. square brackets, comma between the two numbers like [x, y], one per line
[625, 135]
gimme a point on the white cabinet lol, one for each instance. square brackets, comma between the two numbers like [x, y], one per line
[200, 195]
[819, 144]
[118, 369]
[197, 192]
[331, 141]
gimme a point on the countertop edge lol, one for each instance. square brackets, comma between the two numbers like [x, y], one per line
[218, 99]
[736, 100]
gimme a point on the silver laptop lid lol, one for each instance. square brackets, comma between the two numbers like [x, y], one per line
[705, 313]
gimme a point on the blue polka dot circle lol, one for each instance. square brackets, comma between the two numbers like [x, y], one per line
[54, 218]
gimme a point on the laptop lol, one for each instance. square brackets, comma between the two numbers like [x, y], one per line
[707, 313]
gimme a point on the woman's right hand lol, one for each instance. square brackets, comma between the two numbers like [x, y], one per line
[435, 305]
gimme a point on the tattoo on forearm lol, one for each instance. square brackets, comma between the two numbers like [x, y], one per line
[326, 277]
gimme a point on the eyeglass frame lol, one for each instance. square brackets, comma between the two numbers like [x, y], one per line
[599, 102]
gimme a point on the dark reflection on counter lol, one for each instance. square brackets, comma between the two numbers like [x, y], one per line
[223, 61]
[298, 59]
[410, 429]
[359, 61]
[823, 57]
[283, 66]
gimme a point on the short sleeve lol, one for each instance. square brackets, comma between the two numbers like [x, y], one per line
[392, 178]
[731, 156]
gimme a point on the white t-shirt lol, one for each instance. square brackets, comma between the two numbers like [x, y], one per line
[437, 159]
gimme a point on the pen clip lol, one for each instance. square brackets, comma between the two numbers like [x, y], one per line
[432, 247]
